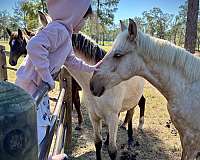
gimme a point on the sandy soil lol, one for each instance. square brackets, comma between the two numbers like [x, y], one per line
[156, 142]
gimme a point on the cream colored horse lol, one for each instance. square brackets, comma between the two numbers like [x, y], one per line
[123, 97]
[171, 69]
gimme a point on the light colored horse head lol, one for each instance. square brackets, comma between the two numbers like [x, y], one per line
[121, 63]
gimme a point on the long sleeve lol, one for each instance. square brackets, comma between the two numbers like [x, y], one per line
[39, 48]
[75, 63]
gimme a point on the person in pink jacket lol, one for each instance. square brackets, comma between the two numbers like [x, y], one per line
[51, 48]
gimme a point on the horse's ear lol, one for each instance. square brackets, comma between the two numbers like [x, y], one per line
[49, 19]
[132, 29]
[20, 34]
[42, 18]
[122, 26]
[29, 33]
[8, 31]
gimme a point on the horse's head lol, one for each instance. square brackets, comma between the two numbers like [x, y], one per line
[18, 40]
[17, 44]
[121, 63]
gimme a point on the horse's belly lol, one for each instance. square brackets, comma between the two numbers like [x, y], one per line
[130, 103]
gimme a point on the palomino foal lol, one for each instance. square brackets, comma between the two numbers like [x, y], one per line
[171, 69]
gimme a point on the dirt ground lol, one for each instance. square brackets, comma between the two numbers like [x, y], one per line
[157, 141]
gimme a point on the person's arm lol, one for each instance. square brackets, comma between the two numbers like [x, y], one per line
[38, 49]
[76, 63]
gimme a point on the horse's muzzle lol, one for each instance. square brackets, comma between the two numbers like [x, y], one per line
[96, 90]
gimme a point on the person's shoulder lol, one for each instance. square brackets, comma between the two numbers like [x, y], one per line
[57, 26]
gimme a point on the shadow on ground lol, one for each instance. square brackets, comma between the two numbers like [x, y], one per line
[147, 146]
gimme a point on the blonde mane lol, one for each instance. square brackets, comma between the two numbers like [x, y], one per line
[168, 53]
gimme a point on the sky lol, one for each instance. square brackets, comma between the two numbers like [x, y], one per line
[126, 8]
[132, 8]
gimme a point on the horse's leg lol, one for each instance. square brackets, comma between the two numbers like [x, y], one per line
[123, 126]
[190, 145]
[130, 126]
[188, 153]
[142, 109]
[78, 110]
[96, 123]
[76, 102]
[112, 127]
[106, 143]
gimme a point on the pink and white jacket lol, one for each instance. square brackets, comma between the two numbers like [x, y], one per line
[52, 46]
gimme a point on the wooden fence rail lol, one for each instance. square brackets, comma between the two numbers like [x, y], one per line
[61, 119]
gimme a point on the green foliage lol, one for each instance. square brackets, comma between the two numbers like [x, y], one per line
[6, 21]
[157, 22]
[103, 18]
[101, 27]
[105, 10]
[163, 25]
[26, 13]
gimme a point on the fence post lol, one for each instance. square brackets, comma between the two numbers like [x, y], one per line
[18, 131]
[66, 82]
[3, 70]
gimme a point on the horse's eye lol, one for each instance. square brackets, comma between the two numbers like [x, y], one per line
[117, 55]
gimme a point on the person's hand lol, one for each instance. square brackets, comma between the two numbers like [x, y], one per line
[98, 63]
[51, 86]
[96, 66]
[58, 157]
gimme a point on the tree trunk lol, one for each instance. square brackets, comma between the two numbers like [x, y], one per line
[103, 39]
[97, 21]
[191, 25]
[198, 44]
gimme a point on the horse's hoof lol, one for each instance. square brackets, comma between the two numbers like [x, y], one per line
[123, 126]
[105, 147]
[78, 128]
[140, 130]
[128, 156]
[130, 144]
[137, 144]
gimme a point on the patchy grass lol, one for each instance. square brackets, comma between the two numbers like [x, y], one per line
[5, 43]
[107, 48]
[155, 142]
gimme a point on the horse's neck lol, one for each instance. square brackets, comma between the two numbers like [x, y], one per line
[166, 78]
[83, 78]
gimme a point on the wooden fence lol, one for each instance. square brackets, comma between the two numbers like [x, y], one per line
[61, 119]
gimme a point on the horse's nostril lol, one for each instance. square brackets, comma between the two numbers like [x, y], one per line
[13, 63]
[91, 87]
[102, 91]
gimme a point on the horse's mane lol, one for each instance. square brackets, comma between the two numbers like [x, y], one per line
[164, 51]
[87, 46]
